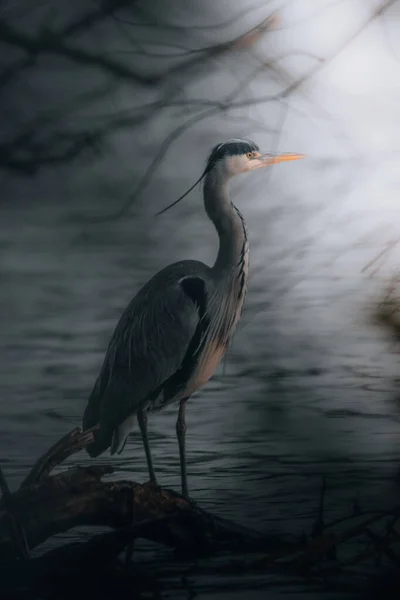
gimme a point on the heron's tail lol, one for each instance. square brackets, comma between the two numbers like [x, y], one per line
[101, 442]
[120, 434]
[111, 409]
[103, 435]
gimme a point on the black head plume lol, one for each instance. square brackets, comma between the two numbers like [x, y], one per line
[235, 147]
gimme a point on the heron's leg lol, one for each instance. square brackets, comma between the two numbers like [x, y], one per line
[181, 435]
[142, 420]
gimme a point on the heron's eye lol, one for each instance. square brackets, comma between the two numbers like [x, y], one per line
[250, 154]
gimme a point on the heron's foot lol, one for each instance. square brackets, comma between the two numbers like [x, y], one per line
[192, 502]
[185, 494]
[153, 484]
[178, 495]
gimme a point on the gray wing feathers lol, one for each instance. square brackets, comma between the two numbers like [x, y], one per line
[147, 347]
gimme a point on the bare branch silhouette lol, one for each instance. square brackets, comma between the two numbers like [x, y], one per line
[48, 42]
[152, 20]
[24, 153]
[60, 142]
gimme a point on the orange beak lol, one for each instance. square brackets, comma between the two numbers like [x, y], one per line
[272, 159]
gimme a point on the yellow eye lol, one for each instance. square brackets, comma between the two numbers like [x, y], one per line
[250, 155]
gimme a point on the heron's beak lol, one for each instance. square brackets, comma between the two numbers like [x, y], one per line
[272, 159]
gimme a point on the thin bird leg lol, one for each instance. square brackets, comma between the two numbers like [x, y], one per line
[142, 420]
[181, 435]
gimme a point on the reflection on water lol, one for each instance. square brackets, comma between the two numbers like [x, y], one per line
[309, 387]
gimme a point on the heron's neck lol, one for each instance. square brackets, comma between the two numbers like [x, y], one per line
[228, 223]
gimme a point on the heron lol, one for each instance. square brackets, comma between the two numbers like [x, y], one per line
[174, 333]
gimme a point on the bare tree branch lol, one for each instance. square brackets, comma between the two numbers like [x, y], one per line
[78, 26]
[43, 153]
[154, 21]
[107, 8]
[48, 42]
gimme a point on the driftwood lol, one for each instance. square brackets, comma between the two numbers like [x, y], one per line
[47, 504]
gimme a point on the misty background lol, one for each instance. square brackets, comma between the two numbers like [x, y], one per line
[128, 90]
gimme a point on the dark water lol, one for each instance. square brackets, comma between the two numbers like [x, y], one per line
[310, 386]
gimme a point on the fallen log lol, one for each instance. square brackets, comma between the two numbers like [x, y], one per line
[46, 505]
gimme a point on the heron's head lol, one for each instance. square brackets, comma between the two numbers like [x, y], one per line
[240, 156]
[232, 158]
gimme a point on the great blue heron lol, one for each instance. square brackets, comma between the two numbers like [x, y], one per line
[174, 333]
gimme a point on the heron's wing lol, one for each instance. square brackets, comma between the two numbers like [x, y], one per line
[152, 348]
